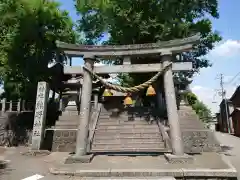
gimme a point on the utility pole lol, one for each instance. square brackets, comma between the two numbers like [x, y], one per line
[223, 95]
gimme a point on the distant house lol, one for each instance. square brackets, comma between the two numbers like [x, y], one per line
[235, 99]
[219, 121]
[235, 115]
[236, 121]
[225, 120]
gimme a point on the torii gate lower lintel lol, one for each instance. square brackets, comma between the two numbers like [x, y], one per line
[165, 49]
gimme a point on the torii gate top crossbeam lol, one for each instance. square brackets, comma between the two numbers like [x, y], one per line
[173, 46]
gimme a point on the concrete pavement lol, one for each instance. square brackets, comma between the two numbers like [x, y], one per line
[22, 167]
[231, 145]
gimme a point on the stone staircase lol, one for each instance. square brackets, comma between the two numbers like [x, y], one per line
[196, 137]
[117, 134]
[69, 118]
[67, 122]
[64, 133]
[189, 119]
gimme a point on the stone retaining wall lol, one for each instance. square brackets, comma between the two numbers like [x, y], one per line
[63, 140]
[197, 141]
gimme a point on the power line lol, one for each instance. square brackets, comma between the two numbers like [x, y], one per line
[231, 80]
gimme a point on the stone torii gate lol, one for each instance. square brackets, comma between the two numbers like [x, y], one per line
[165, 50]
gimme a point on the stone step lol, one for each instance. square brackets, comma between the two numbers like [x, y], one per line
[113, 135]
[191, 122]
[116, 122]
[190, 125]
[191, 128]
[189, 119]
[68, 118]
[195, 124]
[62, 123]
[188, 116]
[128, 145]
[105, 112]
[121, 119]
[127, 140]
[128, 126]
[129, 149]
[65, 127]
[141, 130]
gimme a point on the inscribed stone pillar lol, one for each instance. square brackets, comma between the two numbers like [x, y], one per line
[82, 134]
[175, 132]
[40, 115]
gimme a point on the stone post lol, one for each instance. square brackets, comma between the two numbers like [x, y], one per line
[95, 101]
[60, 104]
[82, 134]
[175, 131]
[11, 106]
[40, 115]
[19, 105]
[4, 104]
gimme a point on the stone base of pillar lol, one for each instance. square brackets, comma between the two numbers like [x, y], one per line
[174, 159]
[79, 159]
[33, 152]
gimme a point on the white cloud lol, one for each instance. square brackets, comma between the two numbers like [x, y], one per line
[210, 96]
[197, 88]
[226, 49]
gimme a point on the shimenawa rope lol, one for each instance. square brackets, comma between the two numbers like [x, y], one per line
[128, 89]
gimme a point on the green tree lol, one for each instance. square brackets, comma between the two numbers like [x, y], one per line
[191, 98]
[148, 21]
[202, 111]
[28, 33]
[199, 107]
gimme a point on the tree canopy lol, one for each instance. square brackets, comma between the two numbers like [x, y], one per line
[148, 21]
[28, 33]
[29, 30]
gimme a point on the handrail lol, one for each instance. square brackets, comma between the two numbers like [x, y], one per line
[94, 120]
[165, 136]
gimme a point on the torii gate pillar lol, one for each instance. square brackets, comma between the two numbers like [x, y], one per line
[173, 119]
[85, 106]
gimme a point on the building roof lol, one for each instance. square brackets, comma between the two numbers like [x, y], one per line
[228, 101]
[237, 91]
[235, 111]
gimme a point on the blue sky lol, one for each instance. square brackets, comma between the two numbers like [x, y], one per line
[224, 57]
